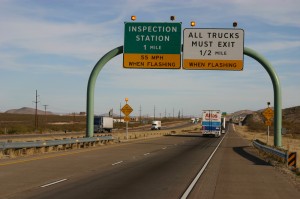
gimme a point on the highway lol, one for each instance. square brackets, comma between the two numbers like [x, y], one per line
[162, 167]
[45, 135]
[153, 168]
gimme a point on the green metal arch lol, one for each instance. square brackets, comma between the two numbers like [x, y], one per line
[247, 51]
[277, 92]
[91, 88]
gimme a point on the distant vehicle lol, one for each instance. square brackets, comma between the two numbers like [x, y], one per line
[211, 123]
[103, 124]
[156, 125]
[223, 124]
[194, 120]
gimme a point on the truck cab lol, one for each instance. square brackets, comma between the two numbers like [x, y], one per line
[156, 125]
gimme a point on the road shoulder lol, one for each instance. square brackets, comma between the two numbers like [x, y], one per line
[236, 171]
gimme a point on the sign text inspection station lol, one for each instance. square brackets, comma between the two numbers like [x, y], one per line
[213, 49]
[152, 45]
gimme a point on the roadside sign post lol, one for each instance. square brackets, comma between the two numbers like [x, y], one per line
[126, 130]
[268, 114]
[126, 110]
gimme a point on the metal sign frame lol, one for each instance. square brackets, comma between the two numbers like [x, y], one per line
[247, 51]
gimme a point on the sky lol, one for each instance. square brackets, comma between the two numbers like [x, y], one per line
[52, 46]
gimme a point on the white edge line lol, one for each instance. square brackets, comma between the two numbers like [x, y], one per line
[46, 185]
[117, 163]
[147, 154]
[189, 189]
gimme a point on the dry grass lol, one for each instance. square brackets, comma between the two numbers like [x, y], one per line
[288, 141]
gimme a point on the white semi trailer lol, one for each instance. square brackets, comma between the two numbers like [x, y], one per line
[223, 124]
[211, 123]
[103, 124]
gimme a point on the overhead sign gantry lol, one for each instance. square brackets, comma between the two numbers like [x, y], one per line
[157, 45]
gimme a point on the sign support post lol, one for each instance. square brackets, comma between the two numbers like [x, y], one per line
[126, 110]
[91, 88]
[277, 93]
[126, 130]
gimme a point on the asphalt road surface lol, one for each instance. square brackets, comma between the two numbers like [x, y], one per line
[153, 168]
[161, 167]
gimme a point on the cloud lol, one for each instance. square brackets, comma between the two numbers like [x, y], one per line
[66, 39]
[272, 46]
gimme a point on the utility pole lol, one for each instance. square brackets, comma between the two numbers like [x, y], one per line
[120, 113]
[154, 112]
[173, 112]
[140, 113]
[45, 113]
[36, 115]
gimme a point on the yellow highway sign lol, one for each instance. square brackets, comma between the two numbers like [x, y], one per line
[268, 122]
[268, 113]
[126, 109]
[126, 118]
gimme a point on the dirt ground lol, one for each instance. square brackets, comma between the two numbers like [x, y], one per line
[288, 142]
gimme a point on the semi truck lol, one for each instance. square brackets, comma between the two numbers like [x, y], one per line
[211, 123]
[156, 125]
[103, 124]
[223, 124]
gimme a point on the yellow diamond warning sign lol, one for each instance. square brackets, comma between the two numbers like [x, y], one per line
[126, 109]
[268, 113]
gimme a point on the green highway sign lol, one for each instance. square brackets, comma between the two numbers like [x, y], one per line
[152, 45]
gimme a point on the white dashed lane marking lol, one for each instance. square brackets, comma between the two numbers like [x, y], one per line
[117, 163]
[52, 183]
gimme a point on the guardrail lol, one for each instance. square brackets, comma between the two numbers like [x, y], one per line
[280, 154]
[23, 148]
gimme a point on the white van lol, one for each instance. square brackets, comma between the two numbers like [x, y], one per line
[156, 125]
